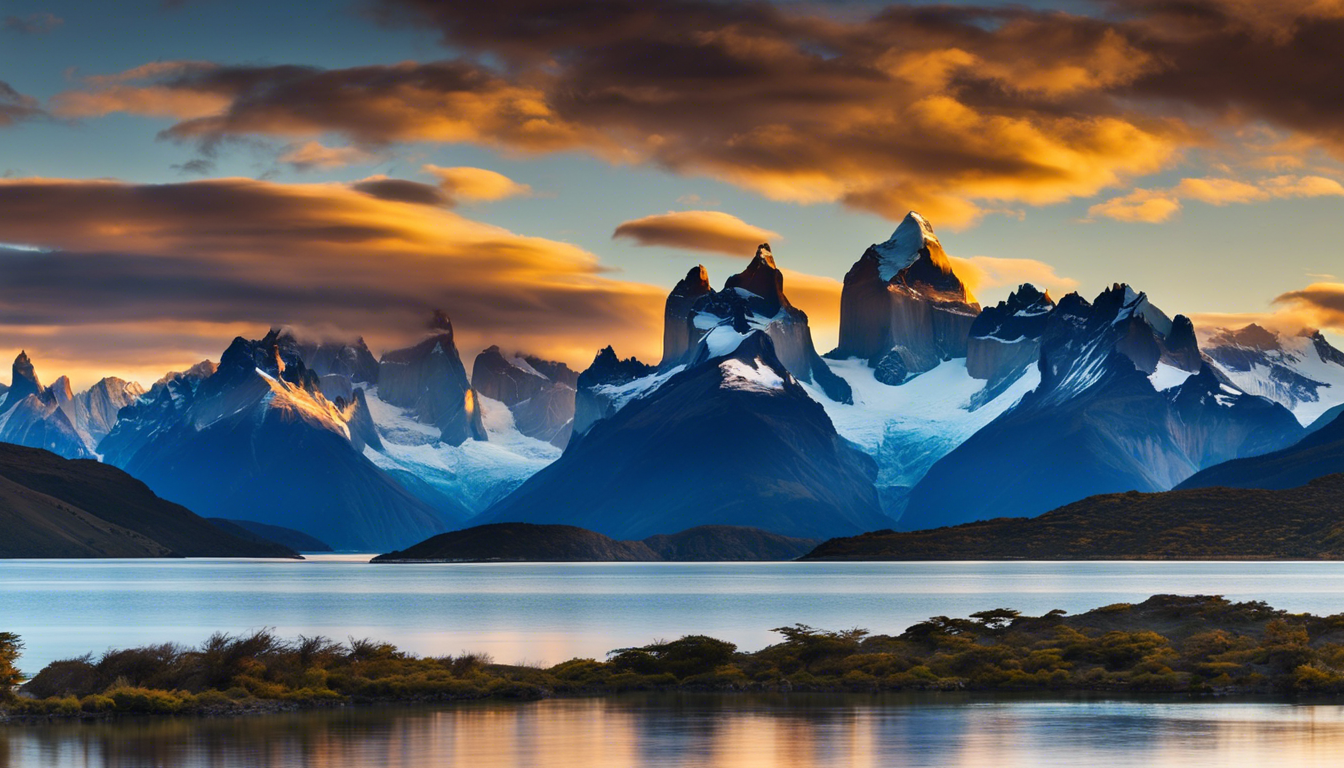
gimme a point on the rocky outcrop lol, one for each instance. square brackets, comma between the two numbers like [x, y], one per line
[903, 296]
[677, 314]
[542, 407]
[1180, 348]
[1006, 339]
[732, 439]
[23, 382]
[429, 381]
[352, 360]
[754, 299]
[1324, 350]
[605, 386]
[38, 422]
[95, 409]
[509, 380]
[41, 417]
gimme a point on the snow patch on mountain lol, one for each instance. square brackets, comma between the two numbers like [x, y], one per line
[755, 376]
[1168, 376]
[477, 472]
[909, 427]
[1289, 370]
[311, 407]
[621, 394]
[900, 251]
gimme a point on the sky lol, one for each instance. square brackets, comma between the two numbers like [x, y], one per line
[176, 173]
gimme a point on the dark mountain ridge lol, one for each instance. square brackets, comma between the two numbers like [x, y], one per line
[56, 507]
[1206, 523]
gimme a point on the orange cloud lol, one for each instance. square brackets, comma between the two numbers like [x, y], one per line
[1304, 186]
[951, 109]
[314, 155]
[464, 183]
[984, 273]
[1319, 306]
[140, 91]
[1220, 191]
[1158, 205]
[712, 231]
[134, 351]
[819, 297]
[333, 257]
[1144, 205]
[792, 107]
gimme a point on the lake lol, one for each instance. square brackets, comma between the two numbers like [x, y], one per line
[547, 613]
[670, 730]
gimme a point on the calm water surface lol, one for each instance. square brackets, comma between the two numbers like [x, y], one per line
[552, 612]
[732, 732]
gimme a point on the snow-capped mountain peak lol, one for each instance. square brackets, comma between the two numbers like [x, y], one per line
[751, 300]
[764, 253]
[912, 235]
[1302, 371]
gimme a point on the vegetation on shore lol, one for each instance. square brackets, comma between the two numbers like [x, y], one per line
[1170, 644]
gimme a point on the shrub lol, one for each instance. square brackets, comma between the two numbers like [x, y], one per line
[691, 655]
[148, 701]
[96, 703]
[11, 647]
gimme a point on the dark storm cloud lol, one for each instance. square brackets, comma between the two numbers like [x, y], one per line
[401, 190]
[15, 107]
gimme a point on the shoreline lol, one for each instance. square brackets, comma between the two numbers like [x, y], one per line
[932, 695]
[1173, 647]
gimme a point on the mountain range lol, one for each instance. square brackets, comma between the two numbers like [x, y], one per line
[932, 411]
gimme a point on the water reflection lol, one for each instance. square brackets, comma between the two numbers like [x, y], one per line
[687, 730]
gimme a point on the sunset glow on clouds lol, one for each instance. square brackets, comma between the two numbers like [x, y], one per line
[324, 257]
[377, 182]
[1156, 206]
[712, 231]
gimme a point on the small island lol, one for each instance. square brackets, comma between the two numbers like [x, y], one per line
[531, 542]
[1173, 645]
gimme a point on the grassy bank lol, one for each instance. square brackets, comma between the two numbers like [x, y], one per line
[1167, 644]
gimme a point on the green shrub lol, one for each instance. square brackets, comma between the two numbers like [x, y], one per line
[148, 701]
